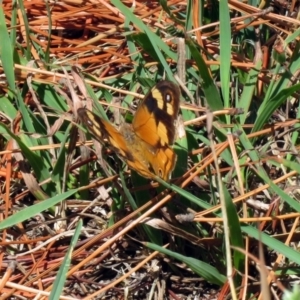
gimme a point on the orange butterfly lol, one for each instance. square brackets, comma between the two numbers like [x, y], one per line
[144, 144]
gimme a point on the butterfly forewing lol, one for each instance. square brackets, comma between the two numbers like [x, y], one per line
[155, 117]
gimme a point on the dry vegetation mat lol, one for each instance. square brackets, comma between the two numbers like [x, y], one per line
[88, 212]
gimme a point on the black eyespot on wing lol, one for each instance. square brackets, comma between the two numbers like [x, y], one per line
[170, 92]
[168, 97]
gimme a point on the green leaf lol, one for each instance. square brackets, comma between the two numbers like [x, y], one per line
[156, 42]
[6, 52]
[225, 50]
[274, 244]
[201, 268]
[236, 237]
[61, 276]
[246, 98]
[35, 209]
[265, 111]
[210, 90]
[35, 161]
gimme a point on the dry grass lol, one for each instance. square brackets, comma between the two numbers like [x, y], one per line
[139, 240]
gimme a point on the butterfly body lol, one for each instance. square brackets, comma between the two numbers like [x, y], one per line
[144, 144]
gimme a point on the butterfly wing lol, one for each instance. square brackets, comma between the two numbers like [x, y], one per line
[124, 143]
[103, 130]
[144, 144]
[154, 124]
[161, 162]
[154, 120]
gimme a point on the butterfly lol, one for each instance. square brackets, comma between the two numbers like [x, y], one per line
[145, 144]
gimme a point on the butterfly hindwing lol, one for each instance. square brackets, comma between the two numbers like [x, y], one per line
[103, 130]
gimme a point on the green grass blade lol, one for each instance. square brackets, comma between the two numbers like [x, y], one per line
[35, 161]
[7, 108]
[225, 50]
[164, 5]
[6, 52]
[153, 234]
[265, 111]
[29, 212]
[156, 42]
[210, 90]
[248, 91]
[274, 244]
[201, 268]
[26, 25]
[236, 238]
[61, 276]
